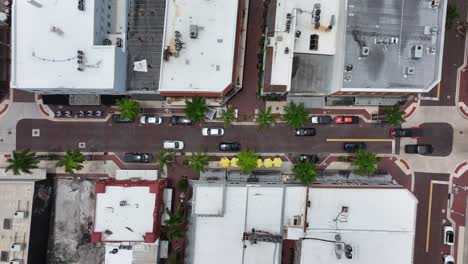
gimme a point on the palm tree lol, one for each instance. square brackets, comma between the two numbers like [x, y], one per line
[175, 257]
[128, 108]
[195, 109]
[173, 227]
[164, 158]
[72, 161]
[366, 162]
[305, 172]
[265, 119]
[22, 161]
[452, 14]
[247, 161]
[228, 117]
[394, 116]
[295, 116]
[197, 161]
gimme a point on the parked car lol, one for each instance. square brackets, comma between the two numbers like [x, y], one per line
[414, 132]
[309, 158]
[419, 149]
[304, 131]
[213, 131]
[173, 144]
[449, 259]
[322, 119]
[156, 120]
[449, 235]
[180, 120]
[134, 157]
[116, 118]
[354, 146]
[346, 120]
[229, 146]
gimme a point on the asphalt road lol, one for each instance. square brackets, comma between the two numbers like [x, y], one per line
[110, 137]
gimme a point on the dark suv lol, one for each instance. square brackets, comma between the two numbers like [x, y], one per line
[354, 146]
[229, 146]
[419, 149]
[304, 131]
[308, 158]
[116, 118]
[180, 120]
[132, 157]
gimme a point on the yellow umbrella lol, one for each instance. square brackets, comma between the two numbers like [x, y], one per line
[224, 162]
[259, 163]
[277, 162]
[234, 162]
[267, 163]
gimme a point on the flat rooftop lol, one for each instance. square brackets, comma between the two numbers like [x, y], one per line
[46, 36]
[126, 211]
[15, 196]
[204, 63]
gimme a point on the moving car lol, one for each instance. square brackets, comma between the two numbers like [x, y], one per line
[419, 149]
[448, 259]
[346, 120]
[414, 132]
[180, 120]
[156, 120]
[229, 146]
[322, 119]
[308, 158]
[116, 118]
[354, 146]
[173, 144]
[449, 235]
[212, 131]
[304, 131]
[135, 157]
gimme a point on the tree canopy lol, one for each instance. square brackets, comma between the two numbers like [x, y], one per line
[265, 119]
[72, 161]
[366, 162]
[128, 108]
[247, 160]
[195, 109]
[197, 161]
[394, 116]
[295, 115]
[305, 172]
[22, 161]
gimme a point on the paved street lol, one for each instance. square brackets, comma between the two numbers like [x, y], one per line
[59, 136]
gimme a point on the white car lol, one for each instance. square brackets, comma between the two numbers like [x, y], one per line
[449, 235]
[156, 120]
[173, 144]
[448, 259]
[212, 131]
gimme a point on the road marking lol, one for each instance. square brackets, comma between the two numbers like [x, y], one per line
[428, 230]
[359, 140]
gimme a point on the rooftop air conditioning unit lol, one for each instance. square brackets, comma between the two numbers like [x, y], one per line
[435, 3]
[193, 31]
[20, 215]
[16, 247]
[364, 51]
[16, 261]
[409, 70]
[296, 221]
[417, 51]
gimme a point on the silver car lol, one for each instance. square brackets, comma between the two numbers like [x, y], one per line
[212, 131]
[155, 120]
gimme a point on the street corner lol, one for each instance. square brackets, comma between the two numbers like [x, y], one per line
[463, 109]
[410, 107]
[440, 136]
[399, 169]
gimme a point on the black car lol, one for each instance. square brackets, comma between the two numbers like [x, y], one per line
[321, 119]
[309, 158]
[414, 132]
[419, 149]
[304, 131]
[180, 120]
[229, 146]
[138, 157]
[116, 118]
[354, 146]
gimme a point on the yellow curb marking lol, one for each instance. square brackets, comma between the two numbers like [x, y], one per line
[429, 218]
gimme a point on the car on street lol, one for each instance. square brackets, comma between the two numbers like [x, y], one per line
[212, 131]
[116, 118]
[449, 235]
[419, 149]
[346, 120]
[180, 120]
[229, 146]
[173, 144]
[413, 132]
[308, 158]
[136, 157]
[353, 146]
[304, 131]
[155, 120]
[449, 259]
[321, 119]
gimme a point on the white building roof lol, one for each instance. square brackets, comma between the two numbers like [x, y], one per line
[377, 219]
[209, 200]
[129, 222]
[205, 64]
[142, 175]
[46, 36]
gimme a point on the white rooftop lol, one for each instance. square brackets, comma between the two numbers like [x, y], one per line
[209, 200]
[205, 64]
[46, 35]
[129, 222]
[142, 175]
[377, 220]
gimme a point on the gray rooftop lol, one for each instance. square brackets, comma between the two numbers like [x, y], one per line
[394, 31]
[311, 74]
[145, 36]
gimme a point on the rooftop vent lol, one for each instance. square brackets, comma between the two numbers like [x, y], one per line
[364, 51]
[313, 44]
[21, 214]
[16, 247]
[81, 5]
[417, 51]
[409, 70]
[193, 31]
